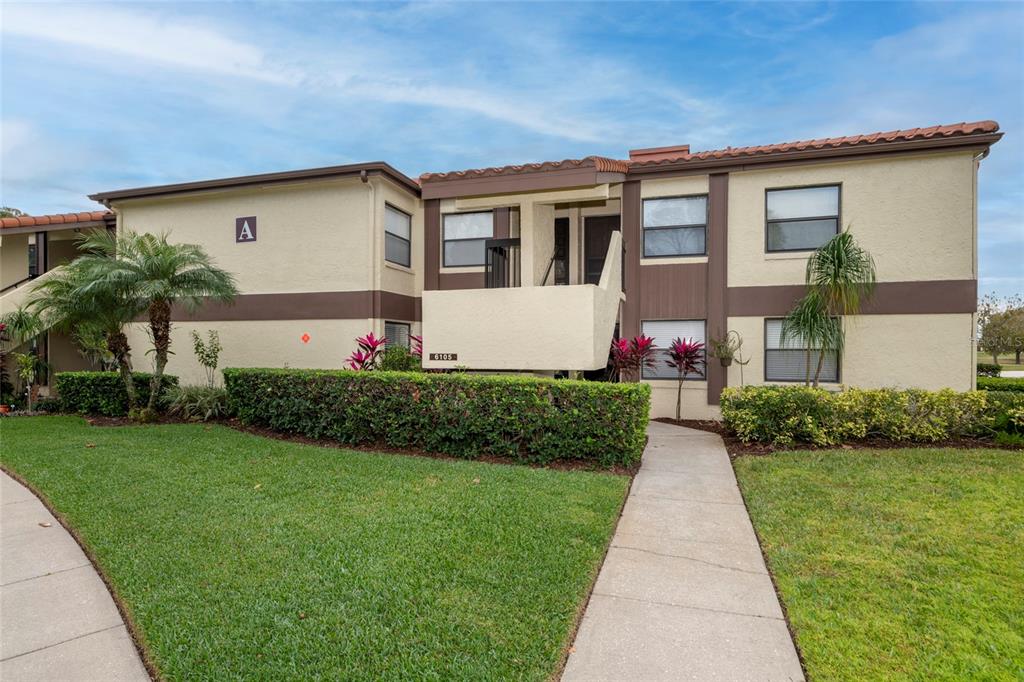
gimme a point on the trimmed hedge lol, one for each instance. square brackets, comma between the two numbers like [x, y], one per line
[103, 392]
[525, 418]
[988, 369]
[784, 415]
[1001, 383]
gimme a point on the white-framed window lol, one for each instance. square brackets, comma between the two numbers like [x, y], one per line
[397, 333]
[675, 226]
[802, 218]
[397, 236]
[664, 332]
[788, 361]
[464, 236]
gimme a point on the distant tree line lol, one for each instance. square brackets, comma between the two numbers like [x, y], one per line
[1001, 326]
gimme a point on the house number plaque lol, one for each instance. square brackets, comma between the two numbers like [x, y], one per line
[444, 356]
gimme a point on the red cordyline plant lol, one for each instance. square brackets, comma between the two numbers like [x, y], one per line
[686, 356]
[365, 357]
[629, 356]
[416, 347]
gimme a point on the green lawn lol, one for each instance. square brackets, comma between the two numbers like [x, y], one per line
[241, 557]
[896, 564]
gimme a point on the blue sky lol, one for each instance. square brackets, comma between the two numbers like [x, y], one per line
[98, 97]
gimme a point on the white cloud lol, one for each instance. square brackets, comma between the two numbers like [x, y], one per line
[146, 36]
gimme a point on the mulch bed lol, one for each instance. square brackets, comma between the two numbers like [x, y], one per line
[737, 448]
[561, 465]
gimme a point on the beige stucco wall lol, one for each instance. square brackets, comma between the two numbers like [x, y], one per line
[695, 400]
[903, 351]
[526, 328]
[311, 236]
[274, 343]
[13, 259]
[390, 276]
[914, 214]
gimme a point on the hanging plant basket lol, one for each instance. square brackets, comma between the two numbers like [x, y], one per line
[725, 361]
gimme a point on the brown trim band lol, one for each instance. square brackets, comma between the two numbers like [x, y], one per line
[431, 244]
[890, 298]
[523, 182]
[314, 305]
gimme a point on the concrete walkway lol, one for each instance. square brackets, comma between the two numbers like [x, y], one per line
[57, 619]
[683, 593]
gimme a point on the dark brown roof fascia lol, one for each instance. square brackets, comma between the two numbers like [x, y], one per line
[53, 227]
[372, 168]
[562, 178]
[732, 163]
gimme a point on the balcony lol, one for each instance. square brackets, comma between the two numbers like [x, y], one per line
[536, 328]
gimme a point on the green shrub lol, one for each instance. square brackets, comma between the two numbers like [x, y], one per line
[785, 415]
[102, 392]
[1000, 383]
[988, 369]
[399, 359]
[525, 418]
[197, 403]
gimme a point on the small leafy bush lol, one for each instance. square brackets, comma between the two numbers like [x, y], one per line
[103, 392]
[399, 359]
[1000, 383]
[988, 369]
[525, 418]
[784, 415]
[197, 403]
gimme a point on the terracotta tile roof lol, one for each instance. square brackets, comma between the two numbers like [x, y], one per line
[954, 130]
[682, 154]
[54, 219]
[601, 163]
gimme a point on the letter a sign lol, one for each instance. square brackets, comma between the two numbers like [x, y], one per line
[245, 229]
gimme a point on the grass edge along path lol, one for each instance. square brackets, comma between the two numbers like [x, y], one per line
[241, 556]
[895, 563]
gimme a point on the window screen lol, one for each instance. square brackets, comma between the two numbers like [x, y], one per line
[788, 361]
[397, 236]
[801, 219]
[664, 332]
[397, 334]
[464, 238]
[675, 226]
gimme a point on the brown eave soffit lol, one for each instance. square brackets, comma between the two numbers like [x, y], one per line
[353, 170]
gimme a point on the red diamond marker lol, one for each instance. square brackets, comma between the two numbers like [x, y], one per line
[305, 338]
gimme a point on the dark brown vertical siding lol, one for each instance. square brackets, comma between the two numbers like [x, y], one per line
[501, 230]
[632, 217]
[673, 292]
[718, 259]
[431, 244]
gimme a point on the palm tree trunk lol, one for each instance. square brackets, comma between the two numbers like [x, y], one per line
[817, 372]
[117, 344]
[807, 373]
[160, 326]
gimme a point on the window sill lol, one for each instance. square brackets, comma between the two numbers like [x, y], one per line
[463, 269]
[673, 260]
[789, 255]
[399, 267]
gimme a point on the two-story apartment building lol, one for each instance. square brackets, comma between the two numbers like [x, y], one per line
[533, 268]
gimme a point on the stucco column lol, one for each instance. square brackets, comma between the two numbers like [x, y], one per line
[543, 241]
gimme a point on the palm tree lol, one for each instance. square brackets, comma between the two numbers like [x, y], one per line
[73, 300]
[158, 274]
[840, 277]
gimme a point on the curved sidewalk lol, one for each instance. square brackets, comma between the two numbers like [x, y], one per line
[57, 619]
[684, 593]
